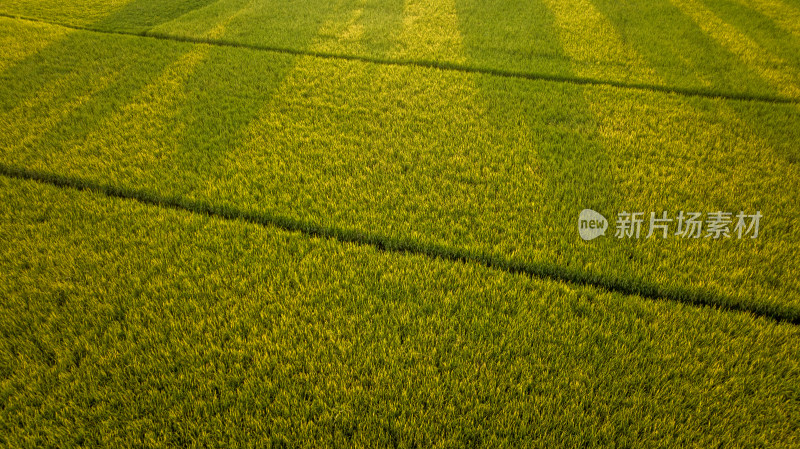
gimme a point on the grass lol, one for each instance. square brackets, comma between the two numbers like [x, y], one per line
[403, 179]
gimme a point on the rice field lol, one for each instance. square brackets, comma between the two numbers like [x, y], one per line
[355, 223]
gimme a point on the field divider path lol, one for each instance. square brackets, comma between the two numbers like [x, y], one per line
[540, 270]
[441, 65]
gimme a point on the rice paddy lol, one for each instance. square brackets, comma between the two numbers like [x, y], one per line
[355, 223]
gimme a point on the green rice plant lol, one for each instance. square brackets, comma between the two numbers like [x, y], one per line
[440, 162]
[127, 324]
[356, 223]
[724, 47]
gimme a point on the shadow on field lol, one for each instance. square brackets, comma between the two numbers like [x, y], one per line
[768, 30]
[680, 42]
[81, 83]
[668, 39]
[231, 127]
[779, 36]
[141, 15]
[684, 44]
[134, 109]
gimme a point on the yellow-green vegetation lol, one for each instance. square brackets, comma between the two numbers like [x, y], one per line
[127, 324]
[422, 159]
[355, 222]
[725, 47]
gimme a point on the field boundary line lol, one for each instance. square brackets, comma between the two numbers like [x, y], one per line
[430, 64]
[538, 270]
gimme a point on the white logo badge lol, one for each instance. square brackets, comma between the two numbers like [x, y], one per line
[591, 224]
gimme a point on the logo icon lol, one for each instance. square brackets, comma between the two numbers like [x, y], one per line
[591, 224]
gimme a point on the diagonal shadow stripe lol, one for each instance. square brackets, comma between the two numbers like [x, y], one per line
[541, 270]
[442, 65]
